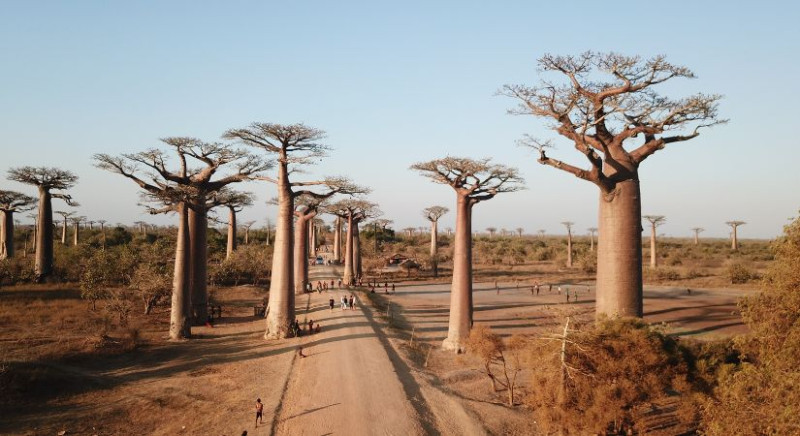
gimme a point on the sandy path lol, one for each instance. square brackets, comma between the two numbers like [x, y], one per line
[347, 384]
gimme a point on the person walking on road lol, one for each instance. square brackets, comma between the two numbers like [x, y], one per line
[352, 302]
[331, 303]
[259, 411]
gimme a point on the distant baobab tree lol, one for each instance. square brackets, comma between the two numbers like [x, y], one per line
[599, 118]
[247, 226]
[568, 225]
[268, 228]
[409, 231]
[541, 233]
[235, 202]
[519, 231]
[592, 231]
[76, 228]
[734, 226]
[492, 231]
[46, 179]
[103, 230]
[473, 181]
[306, 208]
[337, 240]
[66, 217]
[142, 227]
[10, 203]
[433, 214]
[293, 146]
[449, 231]
[35, 218]
[186, 191]
[697, 231]
[91, 224]
[655, 221]
[353, 211]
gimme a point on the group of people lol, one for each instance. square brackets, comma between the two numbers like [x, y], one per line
[298, 330]
[345, 302]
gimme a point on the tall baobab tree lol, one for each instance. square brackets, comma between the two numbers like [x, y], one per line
[519, 231]
[186, 191]
[601, 117]
[541, 233]
[433, 214]
[76, 228]
[697, 231]
[66, 218]
[235, 202]
[409, 231]
[353, 211]
[294, 145]
[655, 221]
[142, 227]
[734, 226]
[103, 230]
[268, 228]
[473, 181]
[46, 179]
[11, 202]
[492, 231]
[247, 226]
[592, 232]
[568, 225]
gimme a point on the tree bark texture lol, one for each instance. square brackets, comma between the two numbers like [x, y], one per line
[619, 247]
[734, 240]
[76, 233]
[44, 237]
[6, 234]
[179, 319]
[460, 320]
[64, 232]
[337, 240]
[358, 271]
[231, 247]
[281, 288]
[653, 260]
[198, 266]
[569, 248]
[301, 230]
[347, 275]
[434, 246]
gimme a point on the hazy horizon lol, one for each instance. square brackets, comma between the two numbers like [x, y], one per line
[393, 85]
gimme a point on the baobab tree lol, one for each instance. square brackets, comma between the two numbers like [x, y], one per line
[541, 233]
[186, 191]
[519, 231]
[433, 214]
[409, 231]
[734, 226]
[103, 230]
[247, 226]
[353, 211]
[473, 181]
[11, 202]
[235, 202]
[268, 228]
[568, 225]
[592, 231]
[76, 228]
[449, 231]
[601, 117]
[697, 231]
[655, 221]
[306, 209]
[66, 217]
[294, 145]
[142, 227]
[492, 231]
[46, 179]
[337, 240]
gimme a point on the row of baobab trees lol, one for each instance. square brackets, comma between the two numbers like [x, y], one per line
[606, 106]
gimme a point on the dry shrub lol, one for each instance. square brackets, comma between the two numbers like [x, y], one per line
[501, 362]
[738, 273]
[596, 380]
[152, 283]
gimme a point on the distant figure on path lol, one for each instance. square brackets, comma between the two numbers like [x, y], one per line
[392, 288]
[352, 302]
[331, 303]
[310, 326]
[259, 412]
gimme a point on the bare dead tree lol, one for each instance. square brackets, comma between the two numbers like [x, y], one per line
[601, 117]
[294, 146]
[592, 232]
[697, 231]
[473, 181]
[10, 203]
[655, 221]
[186, 191]
[734, 226]
[46, 180]
[433, 214]
[568, 225]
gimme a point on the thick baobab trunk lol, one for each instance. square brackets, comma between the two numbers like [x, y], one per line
[64, 232]
[231, 233]
[179, 319]
[301, 254]
[337, 240]
[619, 248]
[460, 320]
[76, 233]
[347, 275]
[246, 235]
[312, 239]
[281, 288]
[433, 253]
[653, 261]
[7, 234]
[198, 266]
[358, 271]
[734, 240]
[44, 237]
[696, 238]
[569, 248]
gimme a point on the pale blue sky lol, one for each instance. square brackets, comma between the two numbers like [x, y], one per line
[395, 83]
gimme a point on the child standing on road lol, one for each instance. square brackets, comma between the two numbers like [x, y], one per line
[259, 411]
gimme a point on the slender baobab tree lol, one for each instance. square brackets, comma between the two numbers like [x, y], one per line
[353, 211]
[734, 226]
[268, 228]
[46, 180]
[592, 232]
[337, 240]
[11, 202]
[186, 191]
[568, 225]
[306, 209]
[235, 202]
[697, 231]
[409, 231]
[294, 145]
[473, 181]
[103, 230]
[541, 233]
[655, 221]
[492, 231]
[247, 226]
[601, 117]
[76, 228]
[433, 214]
[65, 219]
[519, 230]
